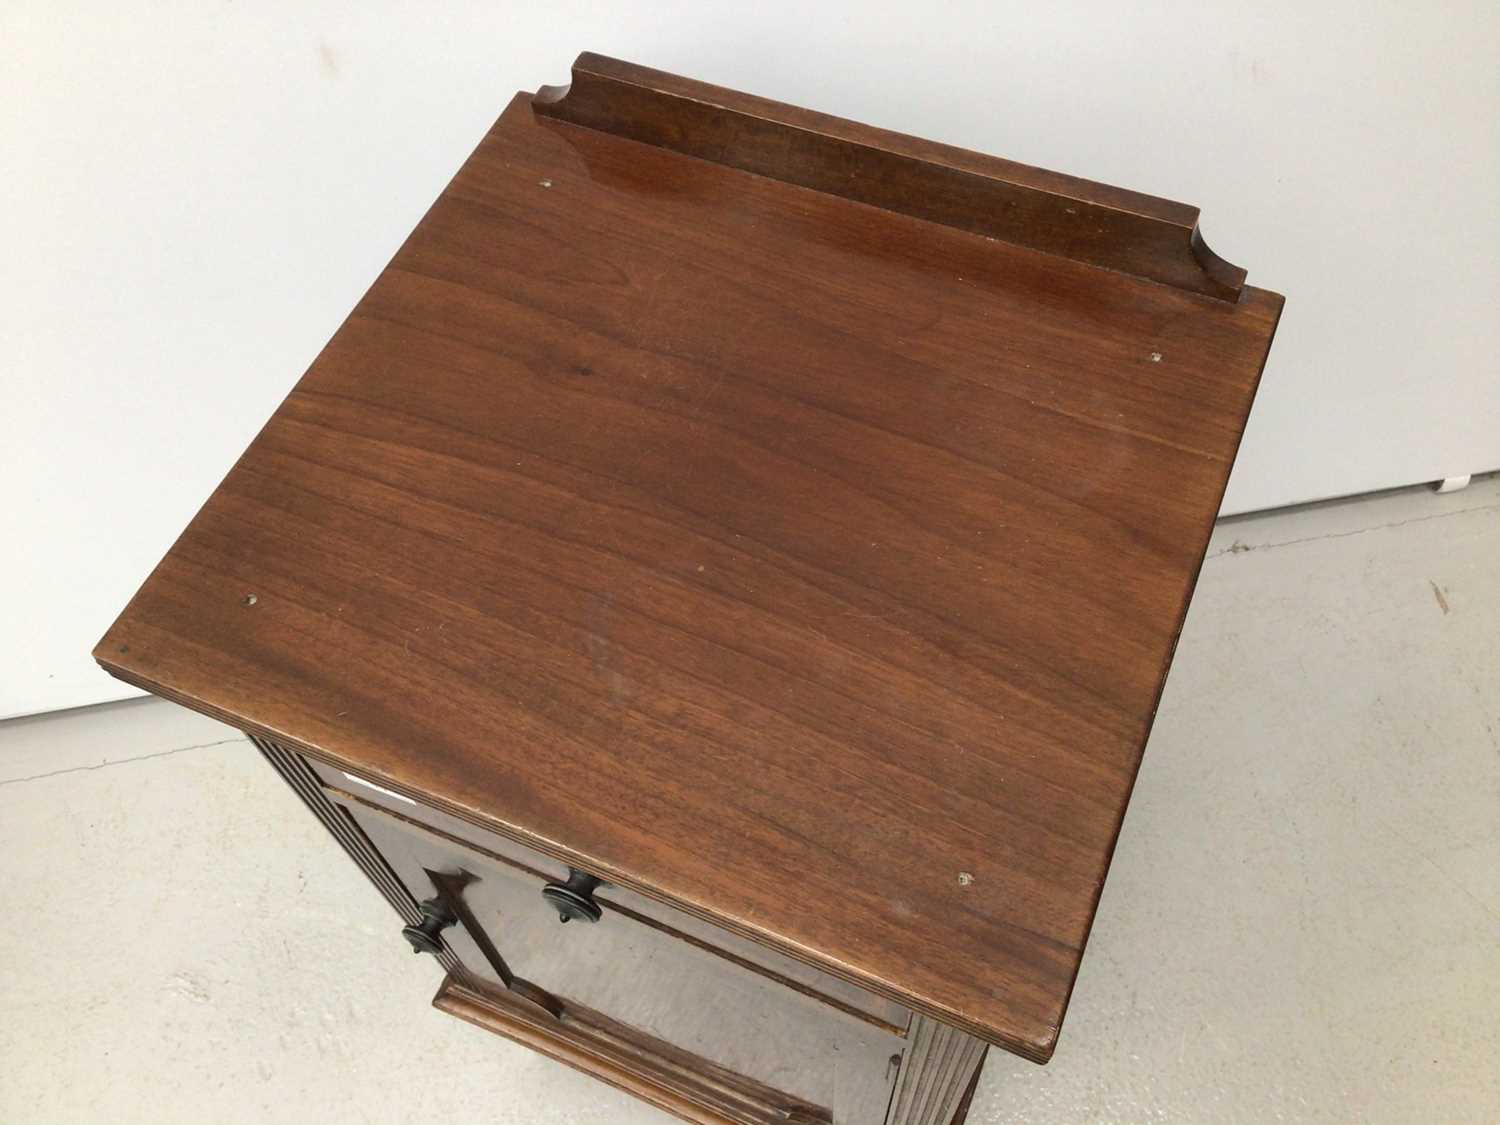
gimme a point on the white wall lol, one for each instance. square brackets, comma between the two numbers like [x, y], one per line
[192, 197]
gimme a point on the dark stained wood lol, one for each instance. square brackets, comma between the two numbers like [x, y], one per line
[1107, 226]
[806, 565]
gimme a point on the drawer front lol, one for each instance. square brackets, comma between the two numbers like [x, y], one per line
[785, 970]
[629, 979]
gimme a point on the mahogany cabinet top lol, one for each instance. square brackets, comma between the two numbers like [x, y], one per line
[787, 519]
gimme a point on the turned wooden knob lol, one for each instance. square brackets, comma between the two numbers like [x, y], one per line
[426, 936]
[575, 898]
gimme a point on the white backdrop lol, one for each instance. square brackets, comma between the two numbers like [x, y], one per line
[194, 196]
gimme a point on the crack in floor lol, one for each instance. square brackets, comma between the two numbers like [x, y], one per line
[123, 761]
[1240, 548]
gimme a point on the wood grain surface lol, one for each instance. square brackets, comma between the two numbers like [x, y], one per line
[806, 565]
[1090, 222]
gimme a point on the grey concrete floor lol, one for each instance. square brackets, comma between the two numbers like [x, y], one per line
[1302, 922]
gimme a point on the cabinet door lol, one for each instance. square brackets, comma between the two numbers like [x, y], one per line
[766, 1051]
[883, 1012]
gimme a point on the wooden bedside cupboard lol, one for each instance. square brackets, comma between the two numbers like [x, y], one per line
[718, 582]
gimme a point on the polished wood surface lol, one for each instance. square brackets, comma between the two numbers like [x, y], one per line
[810, 566]
[1096, 223]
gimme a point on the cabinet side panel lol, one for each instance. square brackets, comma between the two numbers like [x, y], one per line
[296, 773]
[940, 1071]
